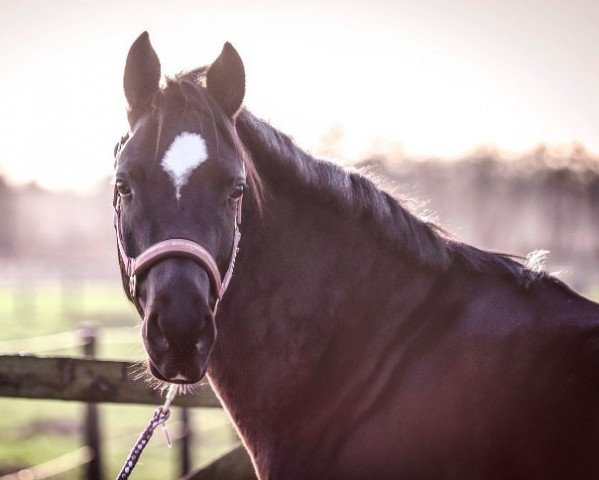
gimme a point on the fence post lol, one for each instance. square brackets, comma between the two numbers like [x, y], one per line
[92, 423]
[185, 443]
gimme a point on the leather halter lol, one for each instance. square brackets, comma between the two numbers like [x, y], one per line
[132, 267]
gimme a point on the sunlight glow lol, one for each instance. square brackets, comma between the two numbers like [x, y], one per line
[438, 82]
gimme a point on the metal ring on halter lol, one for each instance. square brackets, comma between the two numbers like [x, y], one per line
[133, 285]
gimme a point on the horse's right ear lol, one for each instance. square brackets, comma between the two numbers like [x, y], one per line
[142, 73]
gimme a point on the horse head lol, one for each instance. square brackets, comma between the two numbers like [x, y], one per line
[180, 177]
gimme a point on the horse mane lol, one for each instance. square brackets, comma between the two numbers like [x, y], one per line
[416, 238]
[350, 191]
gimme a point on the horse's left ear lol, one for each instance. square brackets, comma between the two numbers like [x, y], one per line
[225, 80]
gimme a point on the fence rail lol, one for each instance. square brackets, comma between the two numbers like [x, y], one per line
[84, 380]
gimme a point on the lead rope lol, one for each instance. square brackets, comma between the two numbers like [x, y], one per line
[161, 415]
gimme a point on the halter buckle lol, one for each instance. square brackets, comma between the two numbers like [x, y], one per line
[132, 285]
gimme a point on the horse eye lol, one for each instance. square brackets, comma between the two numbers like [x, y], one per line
[123, 188]
[237, 192]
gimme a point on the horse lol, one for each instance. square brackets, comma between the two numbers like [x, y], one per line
[353, 339]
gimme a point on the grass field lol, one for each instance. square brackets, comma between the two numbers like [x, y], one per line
[34, 431]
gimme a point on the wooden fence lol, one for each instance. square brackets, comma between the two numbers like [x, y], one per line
[96, 381]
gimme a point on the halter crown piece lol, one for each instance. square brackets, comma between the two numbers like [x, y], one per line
[173, 247]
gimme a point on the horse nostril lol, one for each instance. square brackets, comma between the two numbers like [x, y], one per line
[154, 332]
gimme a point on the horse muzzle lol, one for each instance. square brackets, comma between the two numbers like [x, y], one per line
[178, 327]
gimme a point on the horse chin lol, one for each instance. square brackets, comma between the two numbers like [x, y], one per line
[189, 377]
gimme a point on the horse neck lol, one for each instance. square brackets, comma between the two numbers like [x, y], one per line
[313, 294]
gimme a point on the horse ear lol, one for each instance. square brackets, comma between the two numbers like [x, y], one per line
[142, 73]
[225, 80]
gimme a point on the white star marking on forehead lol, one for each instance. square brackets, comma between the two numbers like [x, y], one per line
[185, 154]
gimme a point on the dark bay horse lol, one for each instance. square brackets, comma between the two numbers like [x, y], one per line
[354, 340]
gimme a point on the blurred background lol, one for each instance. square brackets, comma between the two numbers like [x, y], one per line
[484, 114]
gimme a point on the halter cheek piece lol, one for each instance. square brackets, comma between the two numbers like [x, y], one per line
[173, 247]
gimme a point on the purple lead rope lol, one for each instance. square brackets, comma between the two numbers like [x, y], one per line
[161, 415]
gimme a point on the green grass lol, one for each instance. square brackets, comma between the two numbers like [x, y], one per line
[27, 311]
[35, 431]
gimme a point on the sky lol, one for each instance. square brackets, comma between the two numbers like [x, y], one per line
[422, 77]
